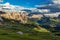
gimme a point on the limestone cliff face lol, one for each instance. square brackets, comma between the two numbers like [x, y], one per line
[21, 16]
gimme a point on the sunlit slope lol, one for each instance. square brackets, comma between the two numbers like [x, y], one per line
[41, 29]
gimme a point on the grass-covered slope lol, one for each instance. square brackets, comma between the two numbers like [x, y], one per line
[9, 29]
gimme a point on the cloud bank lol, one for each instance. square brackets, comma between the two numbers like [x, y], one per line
[56, 1]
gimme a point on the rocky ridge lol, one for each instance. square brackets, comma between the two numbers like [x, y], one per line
[20, 16]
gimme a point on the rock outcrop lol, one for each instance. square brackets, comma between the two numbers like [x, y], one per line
[21, 16]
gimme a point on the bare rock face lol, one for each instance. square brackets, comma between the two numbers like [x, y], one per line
[19, 32]
[21, 16]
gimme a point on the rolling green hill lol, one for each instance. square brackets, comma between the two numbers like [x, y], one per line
[9, 29]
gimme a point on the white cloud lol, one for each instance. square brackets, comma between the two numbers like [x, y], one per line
[56, 5]
[7, 3]
[44, 10]
[56, 1]
[32, 9]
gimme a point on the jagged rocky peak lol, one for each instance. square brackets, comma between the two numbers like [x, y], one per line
[20, 16]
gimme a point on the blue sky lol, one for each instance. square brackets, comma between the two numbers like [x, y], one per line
[28, 3]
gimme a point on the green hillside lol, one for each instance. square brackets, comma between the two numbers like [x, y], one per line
[9, 29]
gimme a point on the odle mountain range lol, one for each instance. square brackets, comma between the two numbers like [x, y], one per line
[15, 15]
